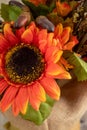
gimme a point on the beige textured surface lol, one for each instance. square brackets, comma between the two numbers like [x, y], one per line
[66, 113]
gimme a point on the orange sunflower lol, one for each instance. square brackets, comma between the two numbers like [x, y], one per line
[28, 65]
[66, 41]
[63, 8]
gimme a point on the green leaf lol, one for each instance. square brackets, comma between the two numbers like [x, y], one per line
[40, 9]
[4, 12]
[33, 115]
[14, 12]
[43, 9]
[10, 13]
[39, 116]
[49, 101]
[80, 66]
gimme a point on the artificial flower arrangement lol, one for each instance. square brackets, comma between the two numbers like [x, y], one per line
[41, 42]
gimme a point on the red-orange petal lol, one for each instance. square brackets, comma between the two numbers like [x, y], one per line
[51, 87]
[8, 98]
[21, 101]
[32, 27]
[65, 35]
[50, 39]
[63, 8]
[3, 85]
[63, 62]
[35, 102]
[42, 34]
[65, 75]
[39, 91]
[30, 34]
[69, 45]
[4, 44]
[43, 45]
[9, 35]
[35, 37]
[53, 54]
[73, 41]
[27, 36]
[42, 38]
[53, 70]
[58, 30]
[74, 38]
[15, 108]
[19, 32]
[37, 2]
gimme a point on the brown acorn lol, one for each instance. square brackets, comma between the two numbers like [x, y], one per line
[25, 15]
[24, 18]
[45, 23]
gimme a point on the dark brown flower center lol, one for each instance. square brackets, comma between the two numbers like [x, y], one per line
[24, 64]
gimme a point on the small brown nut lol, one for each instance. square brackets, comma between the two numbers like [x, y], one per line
[45, 23]
[24, 18]
[21, 21]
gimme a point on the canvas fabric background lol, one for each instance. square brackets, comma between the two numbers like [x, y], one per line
[66, 113]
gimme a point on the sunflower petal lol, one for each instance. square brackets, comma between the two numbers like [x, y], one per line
[8, 98]
[51, 87]
[65, 75]
[27, 36]
[9, 35]
[73, 41]
[63, 62]
[65, 35]
[69, 46]
[42, 35]
[50, 39]
[53, 54]
[3, 85]
[58, 30]
[15, 108]
[4, 44]
[39, 91]
[63, 8]
[74, 38]
[42, 38]
[34, 101]
[54, 70]
[35, 37]
[37, 2]
[19, 32]
[32, 26]
[21, 100]
[43, 45]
